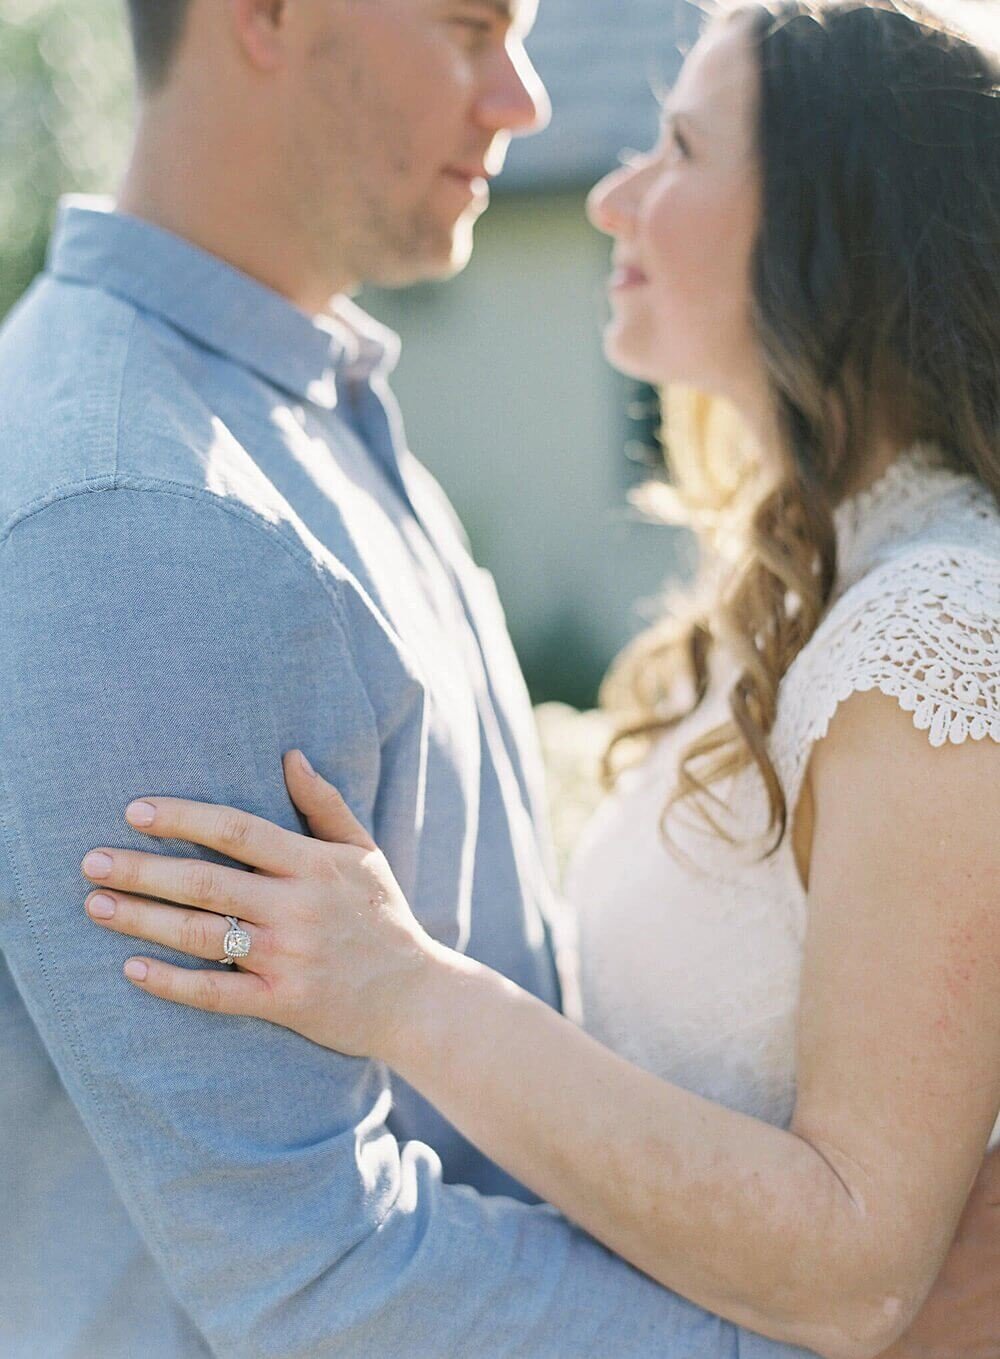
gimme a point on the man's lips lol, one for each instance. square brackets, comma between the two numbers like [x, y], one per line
[473, 177]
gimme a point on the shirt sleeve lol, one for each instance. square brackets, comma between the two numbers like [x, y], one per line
[163, 643]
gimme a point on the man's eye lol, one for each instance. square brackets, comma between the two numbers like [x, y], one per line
[475, 29]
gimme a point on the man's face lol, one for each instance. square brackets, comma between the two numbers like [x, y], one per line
[398, 113]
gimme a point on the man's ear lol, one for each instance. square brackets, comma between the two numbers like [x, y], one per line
[260, 27]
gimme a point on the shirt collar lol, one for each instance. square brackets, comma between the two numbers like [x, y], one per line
[217, 304]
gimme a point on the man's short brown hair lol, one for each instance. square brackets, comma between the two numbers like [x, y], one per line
[156, 27]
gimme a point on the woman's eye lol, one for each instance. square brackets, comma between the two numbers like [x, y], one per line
[675, 141]
[669, 150]
[634, 160]
[670, 146]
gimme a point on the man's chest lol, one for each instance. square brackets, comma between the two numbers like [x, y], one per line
[388, 524]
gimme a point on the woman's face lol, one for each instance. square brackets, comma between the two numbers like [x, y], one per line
[685, 220]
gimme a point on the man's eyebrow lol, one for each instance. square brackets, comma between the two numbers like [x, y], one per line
[503, 9]
[515, 14]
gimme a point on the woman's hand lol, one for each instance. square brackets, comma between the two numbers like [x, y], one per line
[335, 952]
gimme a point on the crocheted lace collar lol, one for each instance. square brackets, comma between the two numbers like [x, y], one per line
[897, 504]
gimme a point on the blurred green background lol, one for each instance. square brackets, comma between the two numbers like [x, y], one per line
[65, 108]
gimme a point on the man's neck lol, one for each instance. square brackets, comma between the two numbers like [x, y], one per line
[217, 207]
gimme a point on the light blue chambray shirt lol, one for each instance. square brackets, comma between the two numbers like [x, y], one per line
[215, 546]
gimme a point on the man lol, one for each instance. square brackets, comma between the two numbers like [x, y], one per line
[216, 546]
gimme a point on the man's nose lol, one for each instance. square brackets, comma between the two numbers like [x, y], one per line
[512, 97]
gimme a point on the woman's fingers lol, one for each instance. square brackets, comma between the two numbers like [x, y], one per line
[198, 933]
[328, 814]
[238, 835]
[193, 882]
[227, 993]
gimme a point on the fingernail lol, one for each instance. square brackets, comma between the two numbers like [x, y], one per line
[306, 765]
[101, 907]
[140, 813]
[97, 865]
[136, 970]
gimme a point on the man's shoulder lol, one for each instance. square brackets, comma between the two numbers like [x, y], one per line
[92, 400]
[92, 397]
[62, 352]
[108, 434]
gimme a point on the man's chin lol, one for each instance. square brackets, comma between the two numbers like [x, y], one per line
[458, 257]
[433, 264]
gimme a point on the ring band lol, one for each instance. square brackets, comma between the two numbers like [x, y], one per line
[236, 942]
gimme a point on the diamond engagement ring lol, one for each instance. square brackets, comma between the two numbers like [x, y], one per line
[236, 942]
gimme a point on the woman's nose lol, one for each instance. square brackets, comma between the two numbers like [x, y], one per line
[611, 203]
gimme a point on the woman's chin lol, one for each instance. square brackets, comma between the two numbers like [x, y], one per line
[629, 357]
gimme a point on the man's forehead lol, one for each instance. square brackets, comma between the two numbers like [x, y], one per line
[520, 14]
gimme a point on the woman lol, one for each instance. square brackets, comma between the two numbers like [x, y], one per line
[806, 974]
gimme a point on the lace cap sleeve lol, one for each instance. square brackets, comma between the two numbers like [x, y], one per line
[925, 630]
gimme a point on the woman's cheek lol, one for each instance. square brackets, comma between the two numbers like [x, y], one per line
[673, 229]
[680, 253]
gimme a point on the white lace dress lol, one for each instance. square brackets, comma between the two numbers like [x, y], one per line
[693, 973]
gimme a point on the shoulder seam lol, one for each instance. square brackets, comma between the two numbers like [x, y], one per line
[164, 486]
[121, 394]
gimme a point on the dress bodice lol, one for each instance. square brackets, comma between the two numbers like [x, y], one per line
[690, 967]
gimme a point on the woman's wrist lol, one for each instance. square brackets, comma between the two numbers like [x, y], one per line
[429, 1006]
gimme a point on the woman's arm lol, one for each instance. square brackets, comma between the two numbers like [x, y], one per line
[831, 1234]
[827, 1235]
[961, 1317]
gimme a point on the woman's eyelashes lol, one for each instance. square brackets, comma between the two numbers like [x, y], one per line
[634, 160]
[672, 145]
[673, 139]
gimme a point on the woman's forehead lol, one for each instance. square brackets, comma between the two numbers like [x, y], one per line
[718, 82]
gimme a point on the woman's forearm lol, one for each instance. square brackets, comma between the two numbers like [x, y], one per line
[743, 1218]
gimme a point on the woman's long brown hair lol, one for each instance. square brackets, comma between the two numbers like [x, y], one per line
[876, 304]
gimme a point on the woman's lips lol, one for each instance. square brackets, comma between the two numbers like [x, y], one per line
[625, 278]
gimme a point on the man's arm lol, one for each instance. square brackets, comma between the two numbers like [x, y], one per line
[159, 642]
[961, 1317]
